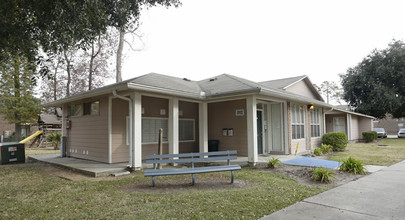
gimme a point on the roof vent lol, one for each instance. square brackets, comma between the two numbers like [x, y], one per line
[185, 79]
[213, 79]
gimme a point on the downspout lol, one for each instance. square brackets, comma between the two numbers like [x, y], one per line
[131, 129]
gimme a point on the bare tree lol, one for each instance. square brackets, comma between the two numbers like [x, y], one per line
[120, 49]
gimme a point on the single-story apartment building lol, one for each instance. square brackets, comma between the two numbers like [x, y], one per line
[349, 122]
[120, 122]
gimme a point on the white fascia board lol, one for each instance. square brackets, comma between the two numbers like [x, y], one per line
[354, 113]
[89, 94]
[294, 98]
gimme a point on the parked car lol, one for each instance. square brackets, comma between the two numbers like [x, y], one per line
[380, 132]
[401, 133]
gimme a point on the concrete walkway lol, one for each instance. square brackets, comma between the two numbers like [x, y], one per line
[380, 195]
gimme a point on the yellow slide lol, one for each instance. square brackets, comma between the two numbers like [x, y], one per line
[31, 137]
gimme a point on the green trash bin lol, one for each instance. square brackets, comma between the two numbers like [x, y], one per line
[12, 152]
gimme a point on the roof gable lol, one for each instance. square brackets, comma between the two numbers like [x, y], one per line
[300, 85]
[282, 83]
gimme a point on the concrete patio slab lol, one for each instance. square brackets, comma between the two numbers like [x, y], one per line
[87, 167]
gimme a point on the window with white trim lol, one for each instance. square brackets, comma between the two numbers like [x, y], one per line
[150, 129]
[186, 129]
[315, 122]
[151, 126]
[76, 110]
[298, 121]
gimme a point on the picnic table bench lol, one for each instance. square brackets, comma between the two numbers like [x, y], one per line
[191, 158]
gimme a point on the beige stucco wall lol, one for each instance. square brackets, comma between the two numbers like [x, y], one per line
[222, 115]
[301, 88]
[88, 136]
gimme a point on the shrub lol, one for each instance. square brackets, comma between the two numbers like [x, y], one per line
[326, 148]
[338, 140]
[369, 136]
[352, 165]
[54, 138]
[274, 163]
[318, 151]
[322, 175]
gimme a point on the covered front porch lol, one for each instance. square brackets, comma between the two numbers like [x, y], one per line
[98, 169]
[247, 124]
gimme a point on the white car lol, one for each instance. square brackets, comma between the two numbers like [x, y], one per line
[401, 133]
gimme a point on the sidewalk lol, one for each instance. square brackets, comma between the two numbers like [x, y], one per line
[380, 195]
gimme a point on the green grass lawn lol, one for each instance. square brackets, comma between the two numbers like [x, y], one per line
[373, 154]
[31, 191]
[40, 151]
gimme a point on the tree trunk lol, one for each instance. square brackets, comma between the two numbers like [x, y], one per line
[17, 135]
[55, 82]
[93, 55]
[91, 67]
[68, 73]
[119, 56]
[17, 95]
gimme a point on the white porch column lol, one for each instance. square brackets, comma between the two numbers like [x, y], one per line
[64, 129]
[252, 130]
[110, 129]
[286, 126]
[203, 126]
[137, 132]
[173, 126]
[349, 126]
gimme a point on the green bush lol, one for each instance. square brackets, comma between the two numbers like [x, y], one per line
[322, 175]
[338, 140]
[318, 151]
[274, 163]
[369, 136]
[326, 148]
[352, 165]
[54, 138]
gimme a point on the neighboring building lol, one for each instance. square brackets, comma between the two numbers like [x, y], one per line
[391, 125]
[120, 122]
[352, 123]
[7, 130]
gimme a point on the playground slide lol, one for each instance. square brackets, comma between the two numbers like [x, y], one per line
[31, 137]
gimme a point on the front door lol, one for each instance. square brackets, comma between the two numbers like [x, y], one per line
[339, 124]
[259, 132]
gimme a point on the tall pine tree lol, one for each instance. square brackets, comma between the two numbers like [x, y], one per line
[17, 101]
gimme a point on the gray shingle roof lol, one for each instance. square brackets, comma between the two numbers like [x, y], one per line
[49, 119]
[282, 83]
[220, 85]
[227, 84]
[167, 82]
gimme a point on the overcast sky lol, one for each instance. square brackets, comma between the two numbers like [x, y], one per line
[264, 39]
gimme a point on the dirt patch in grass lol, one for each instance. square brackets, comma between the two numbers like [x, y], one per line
[303, 175]
[205, 182]
[183, 185]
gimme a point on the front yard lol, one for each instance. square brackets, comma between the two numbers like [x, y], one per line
[40, 191]
[384, 152]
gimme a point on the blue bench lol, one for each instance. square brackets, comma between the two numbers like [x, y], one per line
[191, 158]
